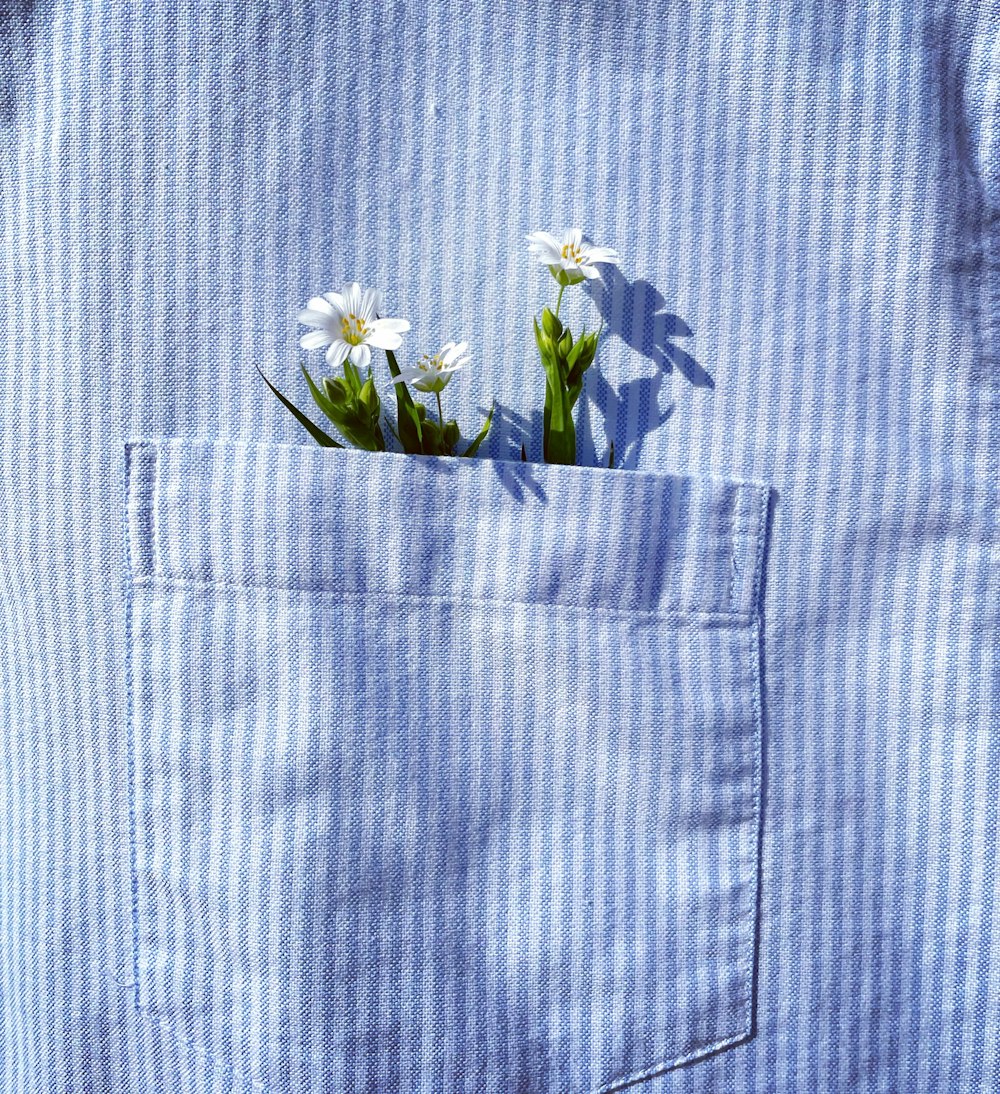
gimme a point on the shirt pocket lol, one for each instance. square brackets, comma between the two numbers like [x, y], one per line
[445, 773]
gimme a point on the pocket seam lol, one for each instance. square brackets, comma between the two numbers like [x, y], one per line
[750, 914]
[730, 596]
[732, 619]
[149, 1012]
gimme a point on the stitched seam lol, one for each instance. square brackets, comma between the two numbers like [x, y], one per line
[736, 539]
[224, 1066]
[748, 915]
[757, 499]
[130, 729]
[736, 618]
[157, 559]
[131, 751]
[669, 1065]
[755, 606]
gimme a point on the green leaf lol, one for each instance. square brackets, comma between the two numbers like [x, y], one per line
[338, 392]
[474, 447]
[368, 396]
[409, 422]
[574, 354]
[611, 457]
[324, 402]
[587, 347]
[559, 431]
[555, 400]
[544, 345]
[352, 376]
[317, 434]
[524, 455]
[551, 324]
[562, 445]
[432, 438]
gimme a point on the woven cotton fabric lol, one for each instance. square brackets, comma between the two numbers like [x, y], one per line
[338, 771]
[399, 816]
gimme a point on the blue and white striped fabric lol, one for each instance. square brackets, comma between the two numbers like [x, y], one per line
[436, 763]
[335, 771]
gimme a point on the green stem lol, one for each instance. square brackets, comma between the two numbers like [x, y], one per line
[562, 289]
[440, 411]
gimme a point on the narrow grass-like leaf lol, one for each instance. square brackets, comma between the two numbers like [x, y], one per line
[555, 398]
[474, 447]
[410, 434]
[352, 375]
[542, 342]
[317, 434]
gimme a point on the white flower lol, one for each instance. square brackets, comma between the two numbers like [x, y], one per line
[347, 325]
[433, 371]
[570, 260]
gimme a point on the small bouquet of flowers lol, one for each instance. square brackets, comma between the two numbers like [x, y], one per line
[349, 324]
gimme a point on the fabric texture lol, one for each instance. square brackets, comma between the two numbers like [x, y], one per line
[334, 771]
[419, 782]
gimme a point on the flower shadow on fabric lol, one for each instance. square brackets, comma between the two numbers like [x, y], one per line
[635, 312]
[518, 477]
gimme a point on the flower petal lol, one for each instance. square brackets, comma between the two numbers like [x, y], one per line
[574, 236]
[589, 272]
[545, 246]
[352, 297]
[321, 304]
[371, 302]
[314, 318]
[454, 348]
[397, 326]
[543, 239]
[335, 299]
[337, 353]
[360, 355]
[451, 356]
[603, 254]
[314, 339]
[381, 338]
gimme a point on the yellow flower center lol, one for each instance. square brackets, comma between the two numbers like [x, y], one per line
[353, 329]
[431, 362]
[572, 252]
